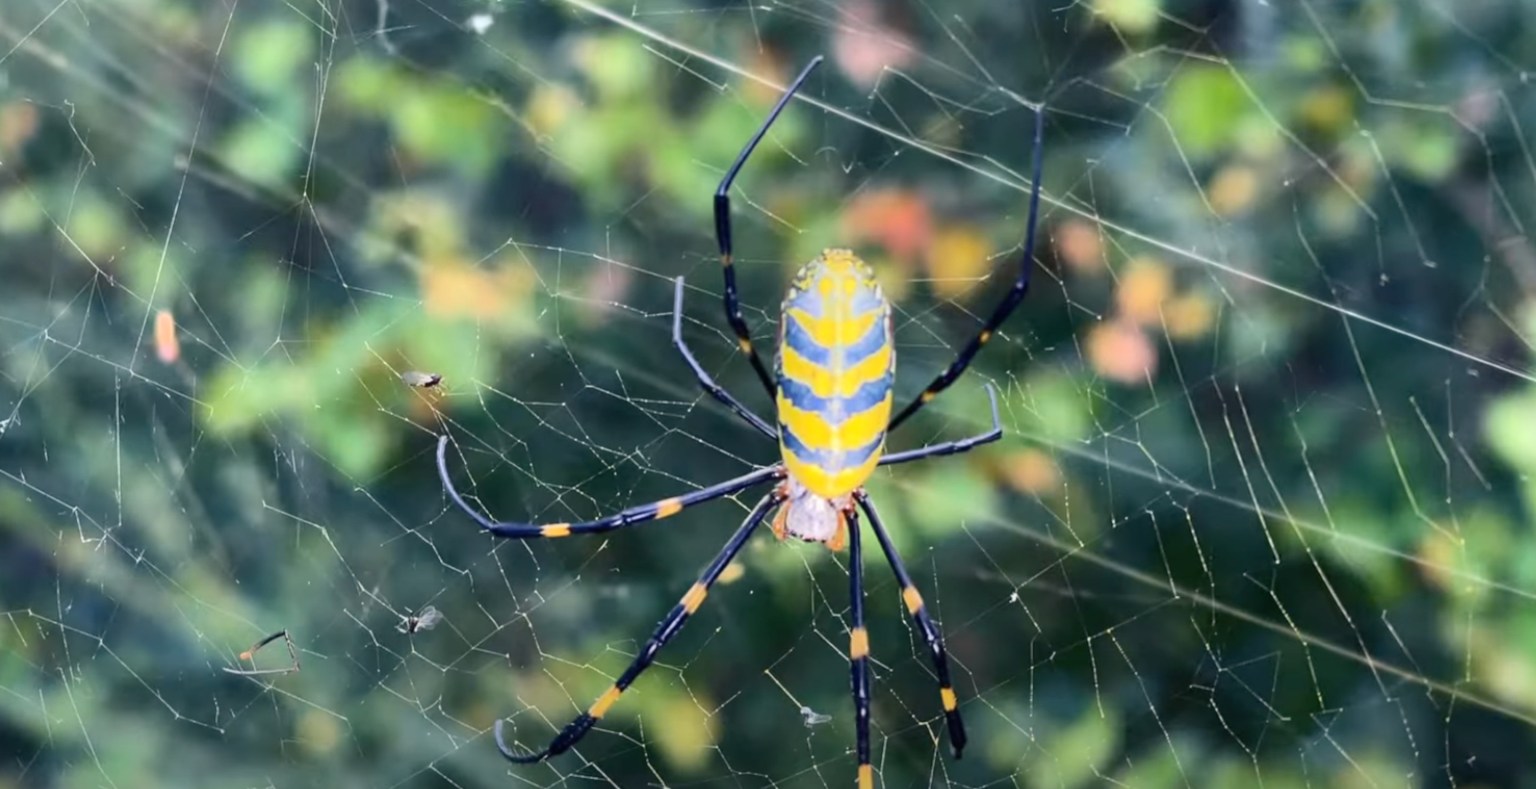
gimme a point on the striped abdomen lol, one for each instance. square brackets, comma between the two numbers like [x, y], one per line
[835, 368]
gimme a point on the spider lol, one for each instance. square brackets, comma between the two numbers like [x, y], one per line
[832, 388]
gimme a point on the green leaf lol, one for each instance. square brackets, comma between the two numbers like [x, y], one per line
[948, 496]
[1204, 105]
[1510, 429]
[1129, 16]
[1053, 407]
[259, 153]
[269, 55]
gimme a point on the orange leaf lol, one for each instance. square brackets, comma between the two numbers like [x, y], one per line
[1079, 245]
[1189, 316]
[1032, 471]
[167, 347]
[898, 219]
[1144, 285]
[1120, 351]
[958, 257]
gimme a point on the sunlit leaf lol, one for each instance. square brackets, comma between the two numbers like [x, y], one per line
[1032, 471]
[1051, 405]
[1233, 189]
[96, 227]
[18, 122]
[1204, 104]
[1508, 429]
[1144, 285]
[1129, 16]
[948, 496]
[1328, 109]
[958, 257]
[897, 219]
[1121, 352]
[618, 65]
[1189, 316]
[268, 55]
[259, 152]
[1079, 244]
[1083, 747]
[678, 725]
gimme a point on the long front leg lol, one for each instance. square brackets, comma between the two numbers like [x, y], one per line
[1009, 302]
[723, 231]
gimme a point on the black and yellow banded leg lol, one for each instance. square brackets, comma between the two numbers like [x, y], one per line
[723, 230]
[668, 628]
[858, 652]
[715, 390]
[914, 603]
[952, 447]
[1005, 308]
[656, 510]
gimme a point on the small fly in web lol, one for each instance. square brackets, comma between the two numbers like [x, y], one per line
[832, 387]
[426, 620]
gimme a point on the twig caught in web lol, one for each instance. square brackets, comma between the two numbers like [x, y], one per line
[250, 655]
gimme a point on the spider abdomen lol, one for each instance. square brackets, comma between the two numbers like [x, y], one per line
[835, 367]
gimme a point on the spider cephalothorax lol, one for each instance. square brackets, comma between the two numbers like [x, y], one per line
[807, 516]
[831, 385]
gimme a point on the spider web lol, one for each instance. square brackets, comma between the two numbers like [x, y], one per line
[1259, 517]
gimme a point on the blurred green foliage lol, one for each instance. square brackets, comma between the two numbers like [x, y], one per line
[1261, 516]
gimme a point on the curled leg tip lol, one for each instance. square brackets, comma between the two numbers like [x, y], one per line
[517, 758]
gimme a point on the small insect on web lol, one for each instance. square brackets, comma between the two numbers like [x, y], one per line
[832, 386]
[814, 718]
[420, 380]
[426, 620]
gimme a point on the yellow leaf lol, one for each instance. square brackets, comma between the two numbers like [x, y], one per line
[732, 573]
[958, 257]
[677, 724]
[1130, 16]
[452, 288]
[550, 106]
[1144, 285]
[318, 732]
[1189, 316]
[1232, 189]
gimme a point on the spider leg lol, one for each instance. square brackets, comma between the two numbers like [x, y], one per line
[669, 627]
[723, 231]
[858, 651]
[714, 389]
[915, 607]
[1009, 302]
[656, 510]
[952, 447]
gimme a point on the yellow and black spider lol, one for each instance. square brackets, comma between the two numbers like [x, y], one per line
[832, 388]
